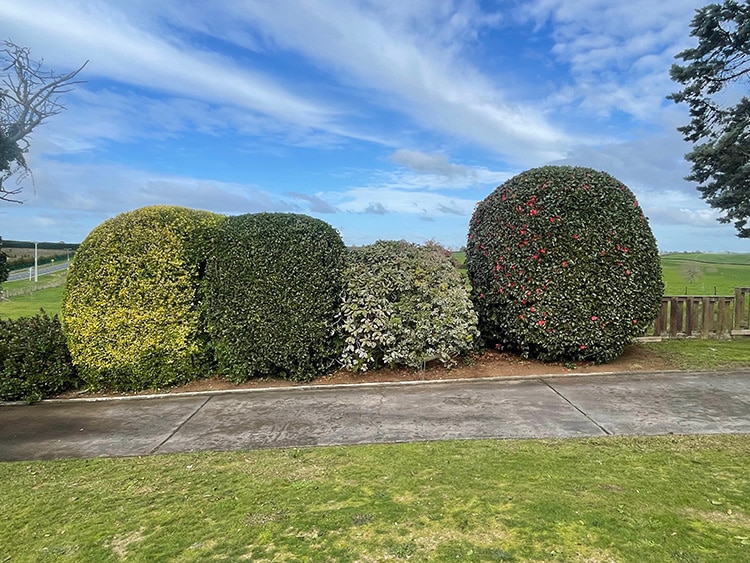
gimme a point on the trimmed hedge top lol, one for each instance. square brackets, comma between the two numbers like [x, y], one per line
[129, 307]
[563, 265]
[273, 287]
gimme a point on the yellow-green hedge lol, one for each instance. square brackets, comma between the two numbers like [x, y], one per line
[130, 308]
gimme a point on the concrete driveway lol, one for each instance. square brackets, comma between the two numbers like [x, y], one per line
[532, 407]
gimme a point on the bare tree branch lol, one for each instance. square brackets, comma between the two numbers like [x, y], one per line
[29, 95]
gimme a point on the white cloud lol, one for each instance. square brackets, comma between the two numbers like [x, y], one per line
[436, 171]
[111, 189]
[395, 62]
[381, 200]
[120, 51]
[619, 53]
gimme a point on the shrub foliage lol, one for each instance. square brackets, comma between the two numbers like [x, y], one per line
[4, 270]
[34, 359]
[130, 309]
[404, 304]
[563, 265]
[273, 287]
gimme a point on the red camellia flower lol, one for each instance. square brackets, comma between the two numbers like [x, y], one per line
[594, 317]
[583, 346]
[541, 322]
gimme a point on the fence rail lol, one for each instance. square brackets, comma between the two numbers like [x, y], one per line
[715, 316]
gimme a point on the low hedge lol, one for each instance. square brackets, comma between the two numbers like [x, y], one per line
[34, 359]
[273, 288]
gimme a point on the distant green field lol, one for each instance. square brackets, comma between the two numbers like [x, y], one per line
[705, 274]
[33, 299]
[28, 305]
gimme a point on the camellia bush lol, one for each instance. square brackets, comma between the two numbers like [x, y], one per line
[404, 304]
[273, 289]
[563, 265]
[131, 310]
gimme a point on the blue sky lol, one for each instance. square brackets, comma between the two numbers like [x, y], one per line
[387, 119]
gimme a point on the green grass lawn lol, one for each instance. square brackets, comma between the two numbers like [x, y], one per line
[661, 499]
[696, 354]
[28, 304]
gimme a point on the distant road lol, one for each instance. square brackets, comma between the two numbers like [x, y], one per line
[19, 275]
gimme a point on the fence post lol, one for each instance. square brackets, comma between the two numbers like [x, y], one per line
[741, 309]
[739, 306]
[725, 322]
[691, 316]
[660, 326]
[675, 317]
[708, 317]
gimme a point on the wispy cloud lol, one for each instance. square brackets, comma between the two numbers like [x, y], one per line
[619, 53]
[155, 58]
[381, 201]
[316, 204]
[386, 54]
[435, 171]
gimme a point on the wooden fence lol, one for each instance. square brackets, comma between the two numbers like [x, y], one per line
[715, 316]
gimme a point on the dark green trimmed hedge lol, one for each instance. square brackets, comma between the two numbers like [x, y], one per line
[563, 265]
[4, 270]
[404, 305]
[34, 359]
[130, 307]
[273, 288]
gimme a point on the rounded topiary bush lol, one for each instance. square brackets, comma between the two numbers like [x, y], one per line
[563, 265]
[130, 307]
[404, 304]
[273, 288]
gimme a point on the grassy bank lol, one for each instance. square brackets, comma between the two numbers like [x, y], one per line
[705, 274]
[614, 499]
[27, 297]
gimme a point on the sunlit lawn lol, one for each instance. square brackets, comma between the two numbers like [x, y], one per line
[613, 499]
